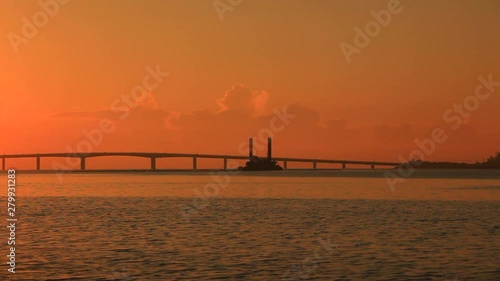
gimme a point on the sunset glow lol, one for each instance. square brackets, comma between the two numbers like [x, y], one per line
[227, 78]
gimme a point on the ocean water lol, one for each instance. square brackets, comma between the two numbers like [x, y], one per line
[323, 225]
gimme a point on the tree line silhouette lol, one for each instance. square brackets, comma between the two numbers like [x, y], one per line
[493, 162]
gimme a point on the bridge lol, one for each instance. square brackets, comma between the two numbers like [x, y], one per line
[154, 156]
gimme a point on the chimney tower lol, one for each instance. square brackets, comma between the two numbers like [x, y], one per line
[250, 148]
[269, 148]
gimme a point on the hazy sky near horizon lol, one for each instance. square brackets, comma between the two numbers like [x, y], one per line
[226, 77]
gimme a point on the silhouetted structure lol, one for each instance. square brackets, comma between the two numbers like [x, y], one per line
[492, 162]
[269, 148]
[154, 156]
[250, 147]
[255, 163]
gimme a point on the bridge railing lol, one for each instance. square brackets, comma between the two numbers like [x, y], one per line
[155, 156]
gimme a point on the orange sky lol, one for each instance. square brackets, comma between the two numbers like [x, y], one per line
[226, 77]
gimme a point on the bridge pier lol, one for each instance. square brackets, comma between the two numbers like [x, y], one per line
[225, 158]
[153, 163]
[82, 163]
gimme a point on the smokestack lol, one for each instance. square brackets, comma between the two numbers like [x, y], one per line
[250, 147]
[269, 152]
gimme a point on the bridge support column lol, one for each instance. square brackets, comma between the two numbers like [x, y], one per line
[284, 165]
[82, 163]
[373, 166]
[194, 163]
[225, 163]
[3, 164]
[153, 163]
[343, 166]
[38, 163]
[314, 165]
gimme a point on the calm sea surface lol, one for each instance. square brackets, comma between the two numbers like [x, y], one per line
[294, 225]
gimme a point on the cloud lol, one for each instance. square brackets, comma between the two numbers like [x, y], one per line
[145, 107]
[149, 101]
[83, 113]
[387, 133]
[242, 113]
[242, 99]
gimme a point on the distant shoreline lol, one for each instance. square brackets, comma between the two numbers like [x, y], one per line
[160, 171]
[454, 166]
[420, 167]
[493, 174]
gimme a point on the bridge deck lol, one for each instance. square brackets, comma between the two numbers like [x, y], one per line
[153, 156]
